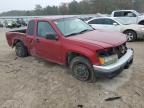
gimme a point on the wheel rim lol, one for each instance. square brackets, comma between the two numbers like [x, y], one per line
[81, 72]
[130, 36]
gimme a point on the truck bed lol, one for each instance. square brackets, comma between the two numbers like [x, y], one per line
[21, 30]
[13, 35]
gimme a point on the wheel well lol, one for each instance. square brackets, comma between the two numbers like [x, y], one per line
[141, 22]
[130, 30]
[16, 41]
[72, 55]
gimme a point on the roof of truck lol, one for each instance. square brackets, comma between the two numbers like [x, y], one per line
[123, 10]
[55, 17]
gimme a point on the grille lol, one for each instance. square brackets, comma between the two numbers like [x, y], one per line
[120, 50]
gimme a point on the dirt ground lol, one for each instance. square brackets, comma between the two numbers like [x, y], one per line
[33, 83]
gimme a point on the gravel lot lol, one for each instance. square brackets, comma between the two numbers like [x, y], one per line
[34, 83]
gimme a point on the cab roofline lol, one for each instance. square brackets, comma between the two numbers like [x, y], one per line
[55, 17]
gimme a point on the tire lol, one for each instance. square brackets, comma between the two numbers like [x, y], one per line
[82, 69]
[21, 50]
[141, 23]
[131, 35]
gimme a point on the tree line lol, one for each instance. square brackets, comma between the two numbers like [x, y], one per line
[82, 7]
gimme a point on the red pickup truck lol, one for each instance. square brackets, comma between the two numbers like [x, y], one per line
[69, 41]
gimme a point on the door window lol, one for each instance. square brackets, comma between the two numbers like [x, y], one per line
[44, 28]
[109, 21]
[129, 14]
[31, 27]
[124, 14]
[103, 21]
[96, 21]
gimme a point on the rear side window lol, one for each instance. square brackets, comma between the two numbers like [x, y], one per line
[119, 14]
[104, 21]
[31, 27]
[96, 21]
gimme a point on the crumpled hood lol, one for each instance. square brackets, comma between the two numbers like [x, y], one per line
[101, 38]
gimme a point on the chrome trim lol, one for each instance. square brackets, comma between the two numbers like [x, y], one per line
[116, 66]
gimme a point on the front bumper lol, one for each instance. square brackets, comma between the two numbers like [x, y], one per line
[114, 69]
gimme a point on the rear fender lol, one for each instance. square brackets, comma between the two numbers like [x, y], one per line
[15, 41]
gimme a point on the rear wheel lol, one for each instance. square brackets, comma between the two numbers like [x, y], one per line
[21, 50]
[131, 35]
[82, 69]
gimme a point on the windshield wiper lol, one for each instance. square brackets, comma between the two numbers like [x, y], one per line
[72, 34]
[85, 31]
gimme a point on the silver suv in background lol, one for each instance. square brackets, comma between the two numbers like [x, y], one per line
[131, 15]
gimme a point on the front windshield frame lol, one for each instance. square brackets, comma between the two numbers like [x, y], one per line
[137, 13]
[86, 29]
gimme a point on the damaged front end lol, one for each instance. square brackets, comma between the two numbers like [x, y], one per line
[113, 61]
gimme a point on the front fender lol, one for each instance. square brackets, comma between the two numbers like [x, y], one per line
[89, 54]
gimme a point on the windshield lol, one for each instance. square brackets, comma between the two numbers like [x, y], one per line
[137, 13]
[72, 26]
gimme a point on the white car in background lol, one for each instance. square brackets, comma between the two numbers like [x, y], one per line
[132, 15]
[132, 31]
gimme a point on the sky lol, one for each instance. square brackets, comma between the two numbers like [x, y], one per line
[7, 5]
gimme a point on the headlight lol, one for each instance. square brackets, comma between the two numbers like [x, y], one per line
[106, 60]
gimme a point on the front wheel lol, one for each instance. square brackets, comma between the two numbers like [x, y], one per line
[131, 35]
[82, 69]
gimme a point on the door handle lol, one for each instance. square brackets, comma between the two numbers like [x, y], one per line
[37, 40]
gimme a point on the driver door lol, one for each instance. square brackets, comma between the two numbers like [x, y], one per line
[111, 25]
[49, 49]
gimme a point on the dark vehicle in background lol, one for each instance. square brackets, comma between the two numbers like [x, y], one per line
[12, 24]
[21, 22]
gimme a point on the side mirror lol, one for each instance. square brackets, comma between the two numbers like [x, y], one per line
[115, 24]
[51, 36]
